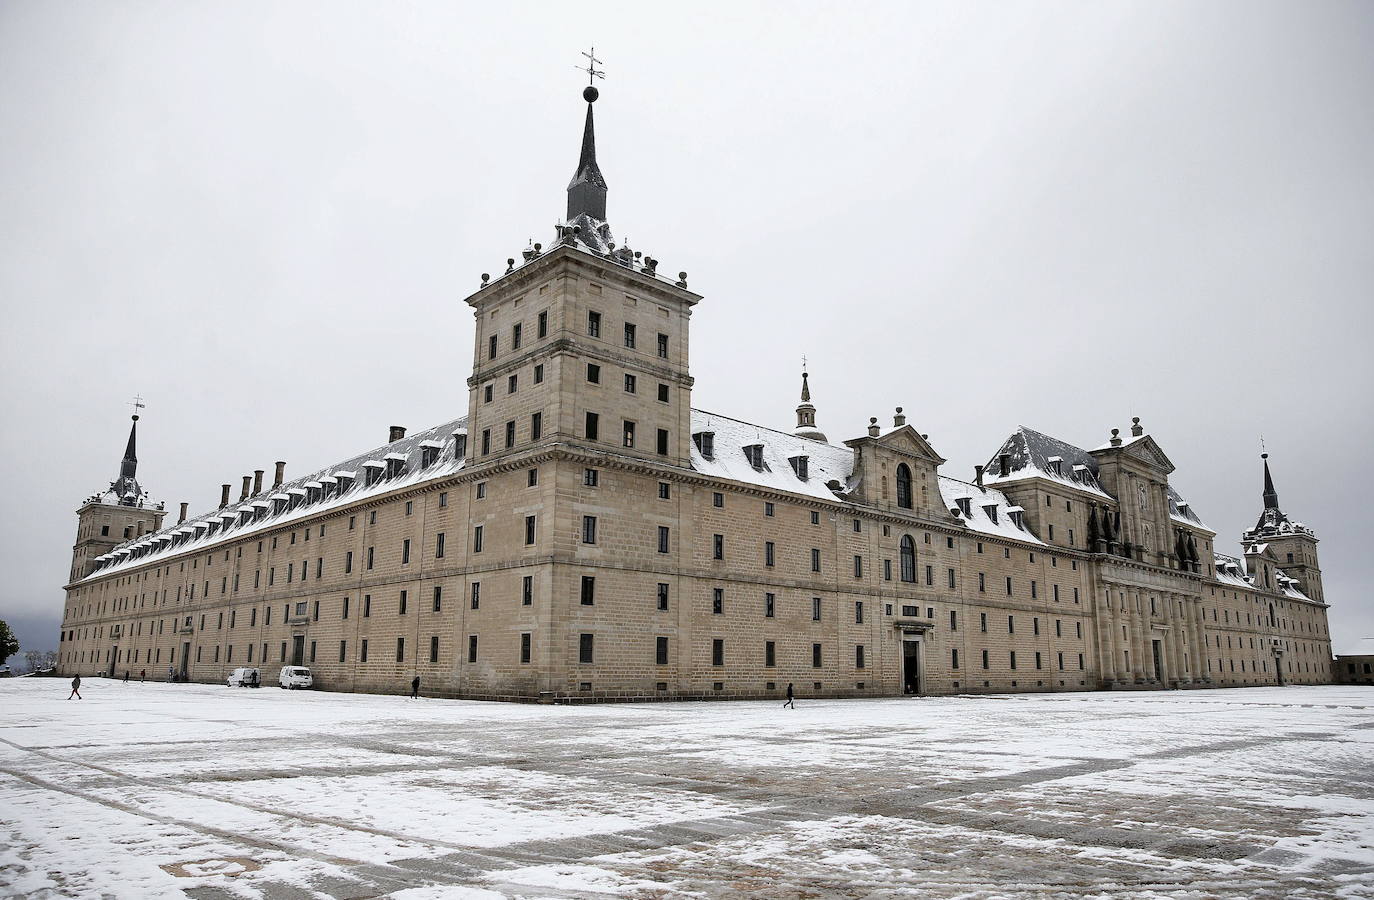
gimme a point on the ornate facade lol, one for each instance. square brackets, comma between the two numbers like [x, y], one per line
[584, 533]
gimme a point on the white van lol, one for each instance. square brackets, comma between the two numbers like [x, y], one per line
[245, 677]
[295, 677]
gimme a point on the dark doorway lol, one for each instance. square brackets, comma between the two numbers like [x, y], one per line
[911, 667]
[298, 650]
[1278, 669]
[185, 659]
[1159, 660]
[114, 658]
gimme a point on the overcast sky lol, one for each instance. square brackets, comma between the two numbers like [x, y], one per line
[263, 217]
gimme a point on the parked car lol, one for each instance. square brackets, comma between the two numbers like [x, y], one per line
[245, 677]
[295, 677]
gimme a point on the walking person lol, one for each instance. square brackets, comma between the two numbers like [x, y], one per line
[76, 688]
[790, 704]
[415, 688]
[142, 675]
[126, 676]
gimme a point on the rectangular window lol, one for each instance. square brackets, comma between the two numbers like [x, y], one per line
[768, 553]
[858, 566]
[438, 598]
[985, 659]
[405, 551]
[629, 335]
[769, 605]
[362, 652]
[516, 333]
[593, 373]
[592, 429]
[491, 347]
[858, 612]
[815, 656]
[665, 490]
[953, 620]
[481, 490]
[859, 656]
[589, 529]
[486, 441]
[525, 647]
[510, 434]
[662, 442]
[439, 546]
[1012, 657]
[661, 651]
[887, 570]
[402, 605]
[718, 500]
[717, 546]
[476, 539]
[487, 393]
[434, 648]
[536, 426]
[539, 374]
[542, 326]
[529, 530]
[629, 383]
[1035, 625]
[770, 654]
[662, 346]
[663, 393]
[527, 591]
[717, 652]
[588, 590]
[584, 648]
[930, 576]
[629, 434]
[591, 477]
[476, 594]
[400, 649]
[662, 595]
[512, 383]
[815, 559]
[472, 648]
[663, 538]
[594, 324]
[343, 651]
[1011, 625]
[983, 622]
[717, 601]
[815, 609]
[951, 579]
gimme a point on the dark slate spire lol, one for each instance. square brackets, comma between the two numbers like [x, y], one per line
[587, 190]
[806, 415]
[129, 465]
[1271, 496]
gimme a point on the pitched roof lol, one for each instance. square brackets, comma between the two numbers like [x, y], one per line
[1034, 454]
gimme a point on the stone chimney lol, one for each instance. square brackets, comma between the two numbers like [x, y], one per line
[281, 473]
[1136, 430]
[184, 504]
[978, 476]
[898, 420]
[397, 432]
[223, 496]
[1004, 465]
[247, 486]
[873, 429]
[257, 482]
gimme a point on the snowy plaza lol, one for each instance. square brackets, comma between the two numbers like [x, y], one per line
[160, 790]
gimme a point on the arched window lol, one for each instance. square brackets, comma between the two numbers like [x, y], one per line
[908, 558]
[903, 486]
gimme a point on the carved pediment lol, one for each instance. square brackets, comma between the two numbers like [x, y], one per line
[903, 441]
[1142, 450]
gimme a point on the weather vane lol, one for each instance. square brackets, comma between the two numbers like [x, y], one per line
[137, 403]
[591, 67]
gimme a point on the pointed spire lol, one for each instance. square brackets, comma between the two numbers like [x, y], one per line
[587, 190]
[1271, 496]
[806, 414]
[129, 465]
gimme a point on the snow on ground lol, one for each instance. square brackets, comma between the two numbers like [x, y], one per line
[161, 790]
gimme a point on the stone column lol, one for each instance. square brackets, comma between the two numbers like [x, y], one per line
[1139, 637]
[1102, 625]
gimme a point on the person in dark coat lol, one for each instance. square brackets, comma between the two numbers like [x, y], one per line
[142, 675]
[415, 688]
[76, 688]
[253, 679]
[126, 676]
[790, 701]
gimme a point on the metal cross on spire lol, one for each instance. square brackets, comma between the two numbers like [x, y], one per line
[591, 67]
[137, 403]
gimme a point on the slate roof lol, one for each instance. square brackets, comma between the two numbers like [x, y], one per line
[1032, 453]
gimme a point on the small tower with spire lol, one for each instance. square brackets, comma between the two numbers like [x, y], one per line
[119, 513]
[806, 413]
[1292, 542]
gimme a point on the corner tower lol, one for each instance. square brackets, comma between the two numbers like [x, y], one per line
[582, 343]
[119, 513]
[1294, 544]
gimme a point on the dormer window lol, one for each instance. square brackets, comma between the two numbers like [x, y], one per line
[1017, 516]
[372, 472]
[314, 491]
[395, 464]
[706, 443]
[1056, 465]
[460, 444]
[429, 453]
[799, 465]
[991, 510]
[754, 453]
[965, 505]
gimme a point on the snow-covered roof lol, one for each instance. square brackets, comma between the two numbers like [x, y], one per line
[826, 464]
[196, 530]
[1358, 647]
[1034, 454]
[1181, 510]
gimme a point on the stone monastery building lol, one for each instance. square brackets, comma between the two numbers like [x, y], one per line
[585, 533]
